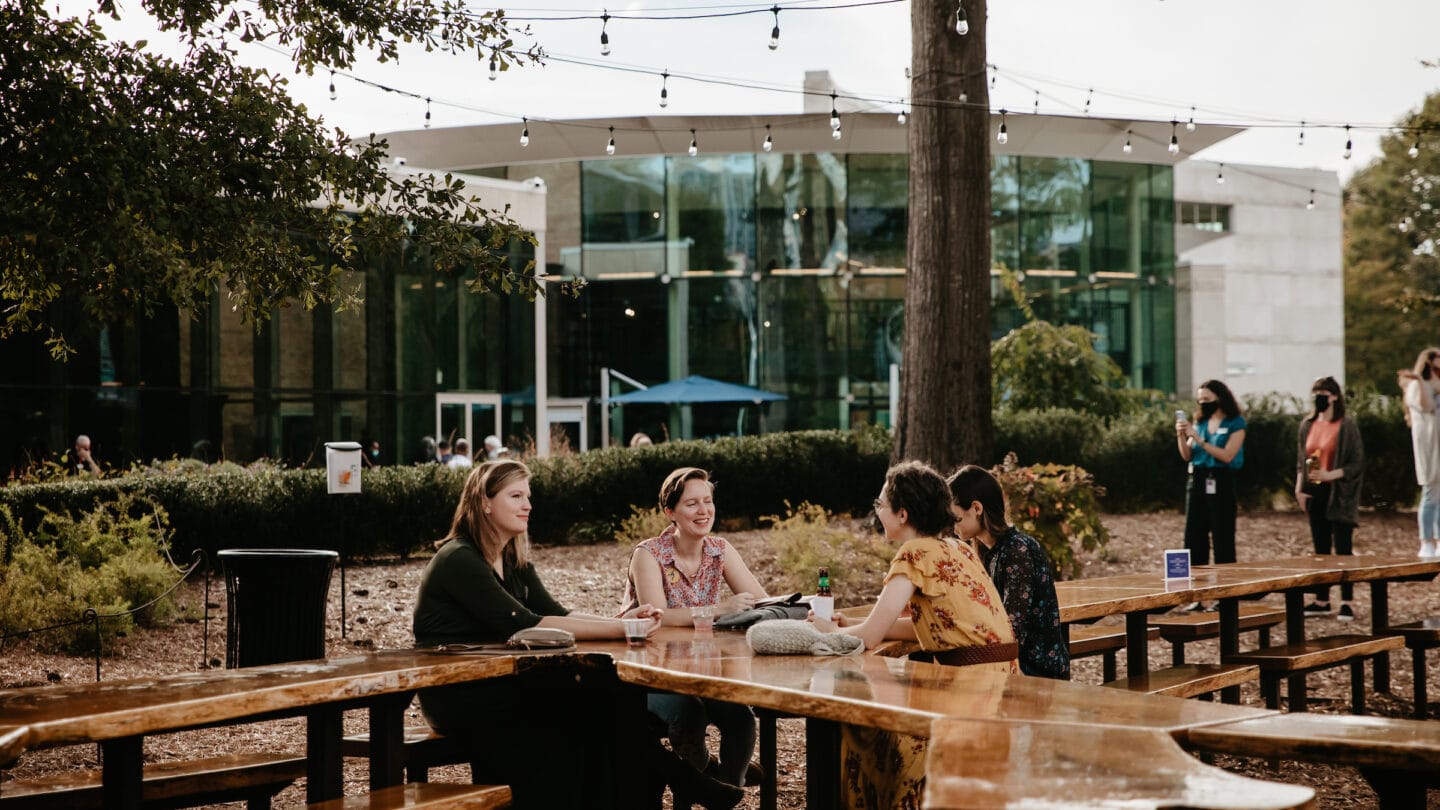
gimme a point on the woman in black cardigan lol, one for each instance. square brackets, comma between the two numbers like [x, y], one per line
[1329, 466]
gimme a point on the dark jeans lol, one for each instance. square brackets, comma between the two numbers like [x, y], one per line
[1210, 516]
[1323, 531]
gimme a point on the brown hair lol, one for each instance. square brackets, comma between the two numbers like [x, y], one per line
[970, 484]
[1424, 361]
[1337, 397]
[918, 489]
[674, 485]
[1228, 405]
[471, 521]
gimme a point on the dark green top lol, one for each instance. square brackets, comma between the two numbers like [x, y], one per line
[462, 601]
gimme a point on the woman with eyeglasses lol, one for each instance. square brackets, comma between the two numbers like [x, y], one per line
[955, 613]
[1329, 465]
[1422, 394]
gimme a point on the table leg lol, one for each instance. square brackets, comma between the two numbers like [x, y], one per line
[387, 740]
[1380, 625]
[121, 772]
[769, 789]
[1294, 616]
[1229, 629]
[822, 764]
[1137, 644]
[324, 779]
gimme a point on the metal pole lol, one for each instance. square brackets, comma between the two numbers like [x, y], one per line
[542, 388]
[604, 407]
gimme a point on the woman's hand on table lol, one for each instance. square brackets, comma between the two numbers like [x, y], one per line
[736, 603]
[647, 612]
[826, 625]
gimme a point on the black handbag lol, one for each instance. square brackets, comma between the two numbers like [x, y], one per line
[789, 607]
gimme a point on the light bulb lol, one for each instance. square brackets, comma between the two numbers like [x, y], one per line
[665, 88]
[604, 34]
[775, 32]
[900, 119]
[427, 113]
[1404, 225]
[835, 134]
[962, 27]
[1220, 174]
[1004, 131]
[769, 142]
[1174, 147]
[1415, 149]
[694, 147]
[610, 147]
[1127, 148]
[525, 133]
[834, 112]
[332, 85]
[1310, 206]
[664, 97]
[1190, 125]
[964, 96]
[1349, 145]
[1089, 94]
[1301, 141]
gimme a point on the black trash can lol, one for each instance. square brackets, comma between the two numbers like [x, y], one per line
[276, 600]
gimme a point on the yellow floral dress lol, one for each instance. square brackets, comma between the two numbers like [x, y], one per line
[954, 605]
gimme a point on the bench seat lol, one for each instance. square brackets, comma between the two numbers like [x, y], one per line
[1101, 639]
[252, 778]
[1182, 628]
[423, 748]
[1400, 758]
[1191, 680]
[1420, 637]
[1294, 661]
[418, 795]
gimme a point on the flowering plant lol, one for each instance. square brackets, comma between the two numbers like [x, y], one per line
[1058, 505]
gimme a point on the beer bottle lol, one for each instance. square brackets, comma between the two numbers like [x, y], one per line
[824, 588]
[823, 604]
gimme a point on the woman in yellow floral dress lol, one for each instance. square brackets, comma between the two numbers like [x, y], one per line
[955, 614]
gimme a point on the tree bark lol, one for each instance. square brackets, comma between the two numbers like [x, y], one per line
[944, 414]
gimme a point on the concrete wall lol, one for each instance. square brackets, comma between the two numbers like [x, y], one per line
[1262, 306]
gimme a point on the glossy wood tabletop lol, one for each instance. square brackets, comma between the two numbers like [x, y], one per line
[1354, 568]
[1356, 740]
[889, 693]
[91, 712]
[12, 743]
[986, 766]
[1107, 596]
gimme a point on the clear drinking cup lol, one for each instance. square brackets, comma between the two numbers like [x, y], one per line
[636, 631]
[704, 618]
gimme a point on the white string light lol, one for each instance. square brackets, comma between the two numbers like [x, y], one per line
[1004, 135]
[900, 119]
[1190, 125]
[1220, 174]
[494, 67]
[769, 142]
[525, 133]
[962, 26]
[694, 145]
[775, 32]
[332, 85]
[1174, 147]
[664, 89]
[834, 111]
[1415, 148]
[604, 34]
[1349, 145]
[427, 112]
[835, 134]
[1127, 148]
[610, 147]
[1037, 102]
[1089, 94]
[1310, 206]
[1301, 142]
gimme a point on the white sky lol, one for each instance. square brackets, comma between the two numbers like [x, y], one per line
[1236, 61]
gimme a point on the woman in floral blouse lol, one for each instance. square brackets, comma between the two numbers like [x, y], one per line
[955, 614]
[1018, 566]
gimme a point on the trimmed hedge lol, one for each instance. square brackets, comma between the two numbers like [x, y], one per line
[578, 497]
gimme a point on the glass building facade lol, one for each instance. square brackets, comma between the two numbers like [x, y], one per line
[781, 271]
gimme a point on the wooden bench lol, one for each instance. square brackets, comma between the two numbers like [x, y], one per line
[252, 778]
[1294, 661]
[416, 795]
[1400, 758]
[1420, 637]
[1182, 628]
[423, 748]
[1192, 680]
[1106, 639]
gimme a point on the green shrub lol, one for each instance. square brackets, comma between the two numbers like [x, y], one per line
[808, 538]
[108, 559]
[1056, 504]
[1041, 365]
[642, 525]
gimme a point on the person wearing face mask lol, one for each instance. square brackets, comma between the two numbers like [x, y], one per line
[1214, 444]
[1329, 465]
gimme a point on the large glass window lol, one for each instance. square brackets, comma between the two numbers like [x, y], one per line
[712, 218]
[801, 212]
[623, 219]
[878, 189]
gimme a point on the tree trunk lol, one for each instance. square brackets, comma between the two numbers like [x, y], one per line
[944, 414]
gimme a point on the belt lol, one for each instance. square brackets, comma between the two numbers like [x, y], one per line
[965, 656]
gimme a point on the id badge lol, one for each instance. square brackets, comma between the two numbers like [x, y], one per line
[1209, 485]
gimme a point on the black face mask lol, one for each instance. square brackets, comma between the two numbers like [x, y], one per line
[1208, 409]
[1322, 401]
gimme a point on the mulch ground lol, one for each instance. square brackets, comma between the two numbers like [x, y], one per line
[380, 596]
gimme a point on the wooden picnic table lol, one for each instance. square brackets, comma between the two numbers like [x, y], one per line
[1136, 595]
[12, 742]
[119, 714]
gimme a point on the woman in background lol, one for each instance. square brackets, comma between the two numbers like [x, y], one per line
[1018, 566]
[1422, 393]
[1214, 444]
[1329, 465]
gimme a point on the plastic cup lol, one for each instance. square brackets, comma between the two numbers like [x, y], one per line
[822, 606]
[635, 631]
[704, 618]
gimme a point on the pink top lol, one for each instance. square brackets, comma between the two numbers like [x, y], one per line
[681, 590]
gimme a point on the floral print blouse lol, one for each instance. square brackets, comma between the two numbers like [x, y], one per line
[955, 604]
[1020, 569]
[682, 590]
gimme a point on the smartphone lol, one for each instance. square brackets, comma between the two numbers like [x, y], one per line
[1180, 416]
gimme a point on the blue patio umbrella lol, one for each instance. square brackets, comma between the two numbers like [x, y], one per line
[694, 390]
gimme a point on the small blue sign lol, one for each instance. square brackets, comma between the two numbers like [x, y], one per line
[1177, 563]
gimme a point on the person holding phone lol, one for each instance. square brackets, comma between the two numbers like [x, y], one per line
[1214, 445]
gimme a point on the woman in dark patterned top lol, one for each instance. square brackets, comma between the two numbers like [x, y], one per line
[1020, 569]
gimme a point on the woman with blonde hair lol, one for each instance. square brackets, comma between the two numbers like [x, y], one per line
[1422, 393]
[480, 587]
